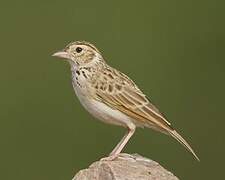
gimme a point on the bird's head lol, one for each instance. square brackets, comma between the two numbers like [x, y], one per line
[80, 53]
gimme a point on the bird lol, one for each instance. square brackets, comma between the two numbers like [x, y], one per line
[112, 97]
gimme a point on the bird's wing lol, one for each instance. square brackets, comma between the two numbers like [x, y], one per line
[119, 92]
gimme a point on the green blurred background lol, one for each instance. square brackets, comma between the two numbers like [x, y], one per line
[174, 50]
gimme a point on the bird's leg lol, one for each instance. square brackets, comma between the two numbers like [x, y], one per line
[119, 147]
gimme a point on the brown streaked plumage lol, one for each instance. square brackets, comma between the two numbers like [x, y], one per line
[111, 96]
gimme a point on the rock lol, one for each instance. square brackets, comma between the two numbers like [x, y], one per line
[125, 167]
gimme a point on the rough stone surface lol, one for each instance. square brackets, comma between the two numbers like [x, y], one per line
[125, 167]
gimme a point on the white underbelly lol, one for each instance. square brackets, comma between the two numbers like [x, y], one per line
[106, 113]
[103, 112]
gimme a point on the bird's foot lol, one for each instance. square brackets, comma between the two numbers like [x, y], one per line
[111, 157]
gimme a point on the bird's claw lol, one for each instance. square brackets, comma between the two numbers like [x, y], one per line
[110, 157]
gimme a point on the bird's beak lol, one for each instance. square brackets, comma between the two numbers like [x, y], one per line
[62, 54]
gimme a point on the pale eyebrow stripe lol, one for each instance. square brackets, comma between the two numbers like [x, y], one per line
[88, 44]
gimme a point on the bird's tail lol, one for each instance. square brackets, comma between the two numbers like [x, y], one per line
[181, 140]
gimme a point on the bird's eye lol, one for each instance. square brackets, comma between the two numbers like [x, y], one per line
[78, 49]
